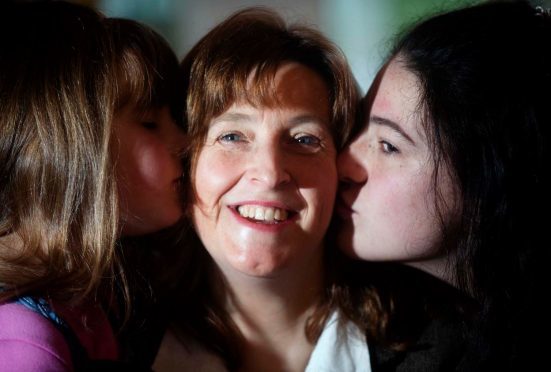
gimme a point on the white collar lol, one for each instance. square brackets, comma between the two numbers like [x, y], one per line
[340, 349]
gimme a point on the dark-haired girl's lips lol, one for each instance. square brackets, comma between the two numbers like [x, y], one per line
[343, 210]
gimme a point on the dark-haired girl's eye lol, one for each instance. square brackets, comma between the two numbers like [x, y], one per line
[388, 148]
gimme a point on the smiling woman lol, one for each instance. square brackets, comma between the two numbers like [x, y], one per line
[267, 179]
[267, 114]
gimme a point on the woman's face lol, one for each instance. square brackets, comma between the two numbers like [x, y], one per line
[148, 169]
[387, 199]
[265, 179]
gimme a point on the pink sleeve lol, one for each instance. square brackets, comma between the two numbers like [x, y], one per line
[30, 342]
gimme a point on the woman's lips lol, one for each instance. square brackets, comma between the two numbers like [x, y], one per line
[264, 212]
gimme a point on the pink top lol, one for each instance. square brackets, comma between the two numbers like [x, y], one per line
[30, 342]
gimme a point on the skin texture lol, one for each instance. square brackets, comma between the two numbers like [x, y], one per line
[148, 169]
[281, 156]
[387, 199]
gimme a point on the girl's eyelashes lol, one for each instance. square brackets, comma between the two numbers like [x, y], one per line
[388, 148]
[149, 125]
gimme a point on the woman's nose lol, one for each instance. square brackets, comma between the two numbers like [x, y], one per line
[268, 167]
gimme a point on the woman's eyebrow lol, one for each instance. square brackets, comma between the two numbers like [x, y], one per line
[233, 117]
[392, 125]
[239, 117]
[305, 119]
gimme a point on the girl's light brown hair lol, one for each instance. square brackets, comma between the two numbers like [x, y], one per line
[57, 192]
[63, 78]
[149, 72]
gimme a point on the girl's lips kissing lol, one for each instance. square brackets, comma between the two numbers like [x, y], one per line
[343, 209]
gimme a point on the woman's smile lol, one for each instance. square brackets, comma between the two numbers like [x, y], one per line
[265, 212]
[266, 179]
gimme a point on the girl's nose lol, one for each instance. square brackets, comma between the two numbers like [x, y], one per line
[350, 169]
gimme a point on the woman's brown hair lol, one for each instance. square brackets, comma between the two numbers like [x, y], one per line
[238, 59]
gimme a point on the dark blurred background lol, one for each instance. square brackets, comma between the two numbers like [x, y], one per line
[364, 29]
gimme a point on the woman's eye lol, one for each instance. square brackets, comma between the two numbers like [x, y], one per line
[306, 143]
[307, 140]
[231, 137]
[149, 125]
[388, 148]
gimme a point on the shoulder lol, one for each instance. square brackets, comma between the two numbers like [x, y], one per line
[30, 342]
[428, 322]
[90, 325]
[441, 346]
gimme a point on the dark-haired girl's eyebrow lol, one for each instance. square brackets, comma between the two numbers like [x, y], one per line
[392, 125]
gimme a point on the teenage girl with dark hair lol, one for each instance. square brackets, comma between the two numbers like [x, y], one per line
[450, 176]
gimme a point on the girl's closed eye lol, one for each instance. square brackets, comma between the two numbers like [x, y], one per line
[148, 119]
[151, 125]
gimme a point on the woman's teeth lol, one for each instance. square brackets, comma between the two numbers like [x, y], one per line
[259, 213]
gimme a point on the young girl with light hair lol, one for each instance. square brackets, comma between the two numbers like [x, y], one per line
[89, 152]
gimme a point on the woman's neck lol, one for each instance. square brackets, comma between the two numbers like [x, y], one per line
[271, 313]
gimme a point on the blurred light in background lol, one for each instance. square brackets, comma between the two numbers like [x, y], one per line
[363, 29]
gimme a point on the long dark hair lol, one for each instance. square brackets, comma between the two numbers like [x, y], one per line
[485, 74]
